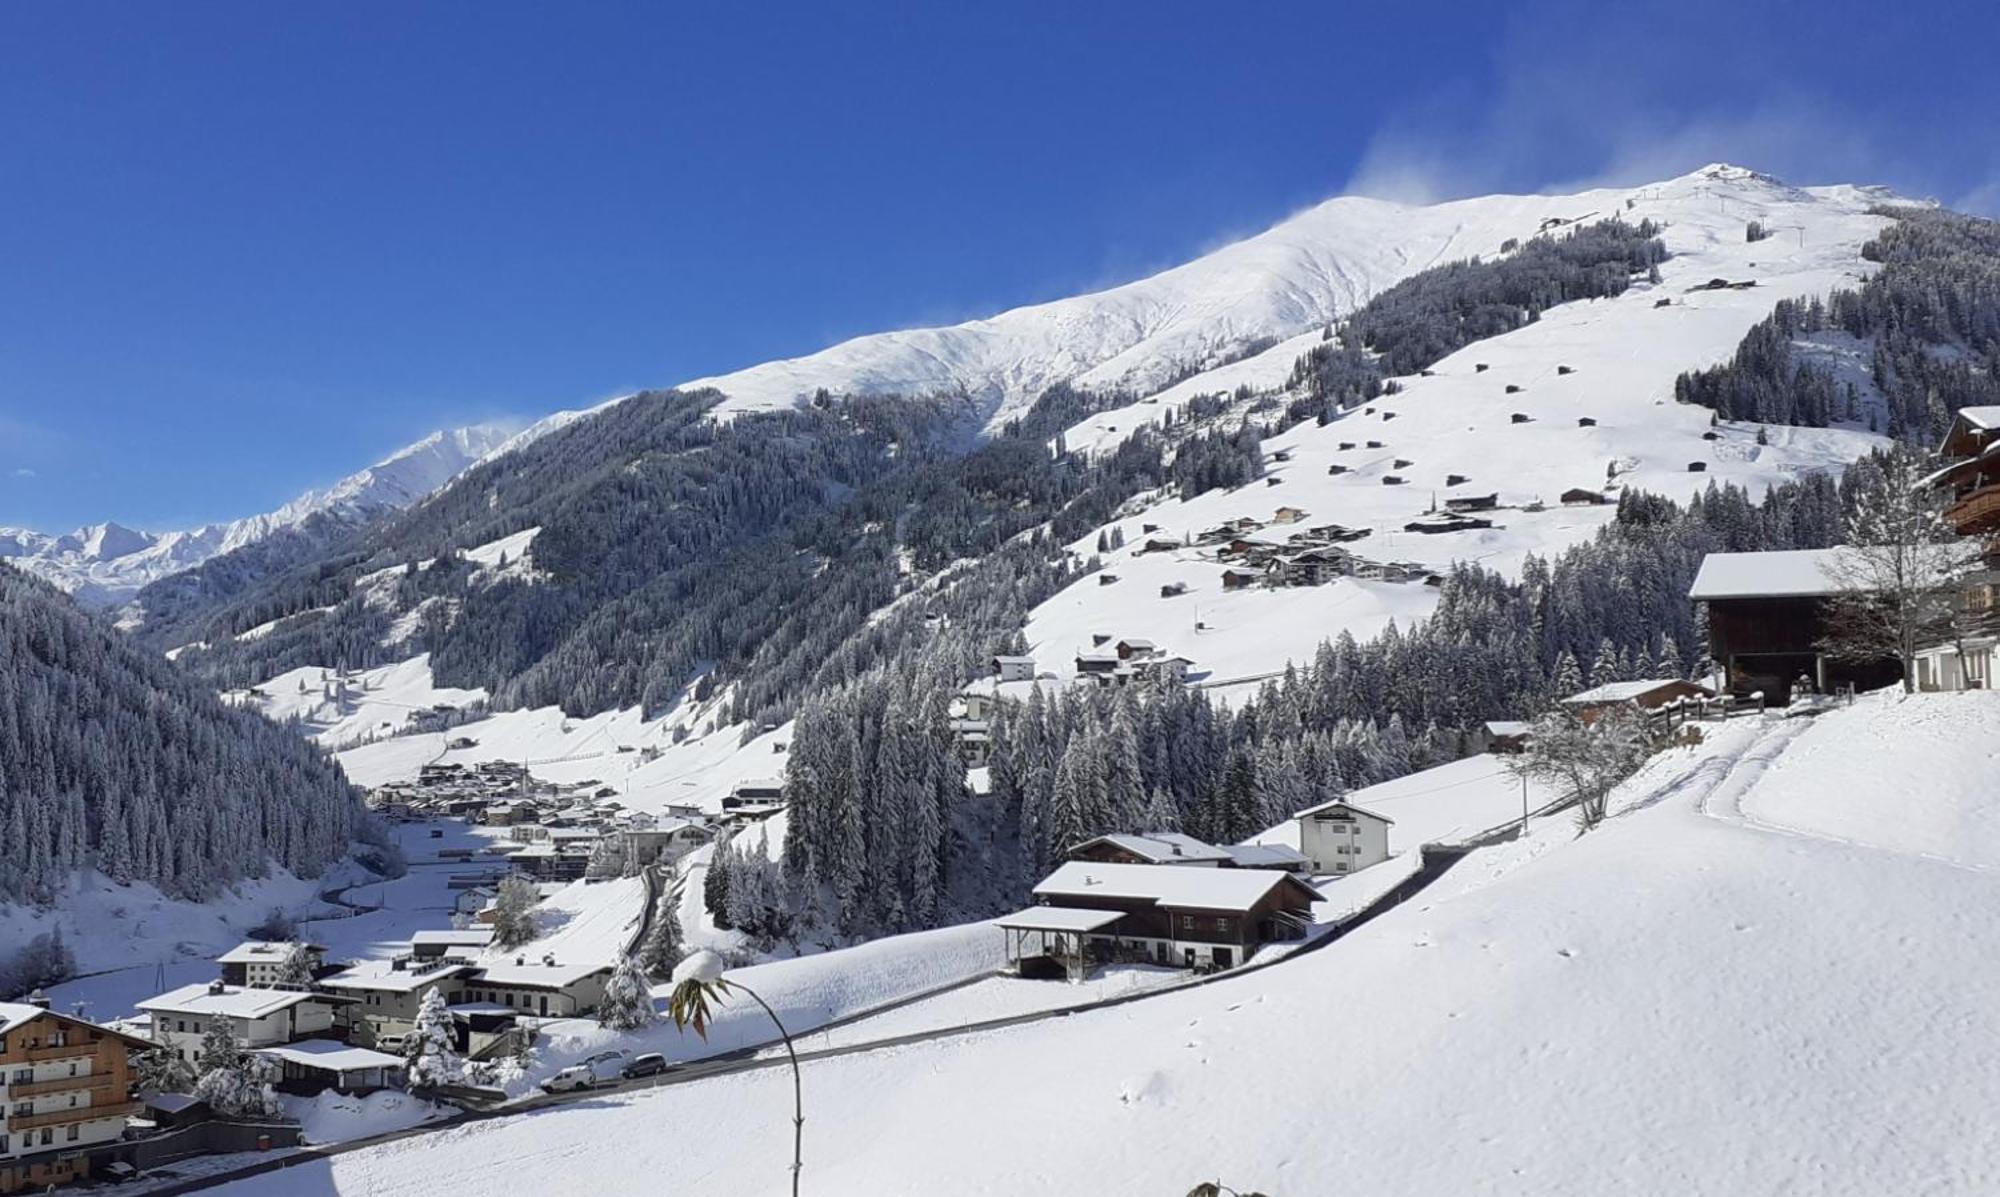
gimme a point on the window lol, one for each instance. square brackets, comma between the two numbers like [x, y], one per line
[73, 1133]
[48, 1135]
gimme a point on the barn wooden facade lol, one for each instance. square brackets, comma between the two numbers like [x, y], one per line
[1767, 617]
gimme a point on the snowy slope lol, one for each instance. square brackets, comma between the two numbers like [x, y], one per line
[1623, 354]
[105, 563]
[1284, 282]
[1678, 1003]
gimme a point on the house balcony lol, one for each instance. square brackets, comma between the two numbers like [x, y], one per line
[60, 1084]
[1977, 513]
[119, 1109]
[67, 1051]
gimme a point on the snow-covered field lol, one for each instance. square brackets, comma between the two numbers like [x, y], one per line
[1684, 1001]
[1622, 355]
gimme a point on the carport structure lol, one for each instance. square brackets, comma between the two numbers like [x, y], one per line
[1059, 933]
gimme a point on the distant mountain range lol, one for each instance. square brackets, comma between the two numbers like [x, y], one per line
[106, 564]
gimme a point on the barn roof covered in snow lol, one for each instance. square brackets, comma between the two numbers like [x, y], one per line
[1616, 692]
[1788, 573]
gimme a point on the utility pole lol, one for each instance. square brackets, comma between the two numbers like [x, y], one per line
[1524, 806]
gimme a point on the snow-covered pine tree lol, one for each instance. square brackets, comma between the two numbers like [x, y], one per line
[628, 997]
[429, 1056]
[297, 966]
[233, 1085]
[662, 948]
[514, 919]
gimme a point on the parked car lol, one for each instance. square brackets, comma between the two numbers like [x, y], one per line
[650, 1064]
[600, 1069]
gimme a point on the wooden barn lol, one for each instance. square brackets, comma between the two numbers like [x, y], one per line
[1766, 616]
[1648, 694]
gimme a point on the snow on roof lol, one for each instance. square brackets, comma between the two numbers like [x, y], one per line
[254, 951]
[477, 937]
[1160, 847]
[1059, 918]
[14, 1014]
[1324, 806]
[172, 1103]
[331, 1055]
[1788, 573]
[1007, 660]
[1981, 417]
[1507, 727]
[1205, 889]
[533, 973]
[1265, 856]
[1620, 691]
[228, 1001]
[383, 977]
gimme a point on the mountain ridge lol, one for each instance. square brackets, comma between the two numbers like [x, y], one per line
[104, 564]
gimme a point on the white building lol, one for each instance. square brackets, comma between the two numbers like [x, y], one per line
[1339, 837]
[254, 1017]
[260, 965]
[541, 986]
[1014, 669]
[667, 840]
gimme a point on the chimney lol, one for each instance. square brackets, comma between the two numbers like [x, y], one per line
[215, 989]
[39, 1000]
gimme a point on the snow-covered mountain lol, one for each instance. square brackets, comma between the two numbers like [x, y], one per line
[1287, 280]
[104, 564]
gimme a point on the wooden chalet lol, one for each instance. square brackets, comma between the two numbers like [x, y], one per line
[1971, 450]
[69, 1089]
[1194, 917]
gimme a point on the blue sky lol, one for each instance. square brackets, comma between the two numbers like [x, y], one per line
[246, 248]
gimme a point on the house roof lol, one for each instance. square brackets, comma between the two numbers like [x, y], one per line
[1787, 573]
[1159, 847]
[1059, 918]
[533, 974]
[1981, 417]
[472, 937]
[1265, 856]
[381, 977]
[1324, 806]
[1199, 889]
[330, 1055]
[228, 1001]
[1611, 692]
[257, 952]
[1507, 727]
[14, 1014]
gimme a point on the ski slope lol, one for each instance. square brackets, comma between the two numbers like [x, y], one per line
[1681, 1002]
